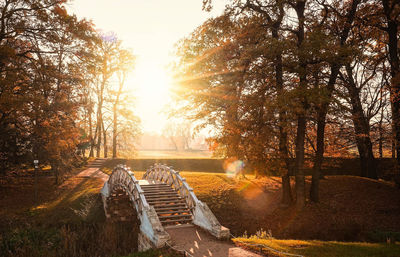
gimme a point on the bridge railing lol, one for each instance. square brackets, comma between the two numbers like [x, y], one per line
[122, 177]
[162, 173]
[151, 231]
[202, 215]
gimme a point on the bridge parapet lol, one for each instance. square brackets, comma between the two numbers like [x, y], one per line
[152, 233]
[202, 215]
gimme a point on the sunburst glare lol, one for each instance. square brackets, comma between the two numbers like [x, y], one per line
[152, 84]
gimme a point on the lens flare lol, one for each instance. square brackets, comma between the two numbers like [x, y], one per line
[233, 167]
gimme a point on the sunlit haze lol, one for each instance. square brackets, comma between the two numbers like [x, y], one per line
[150, 28]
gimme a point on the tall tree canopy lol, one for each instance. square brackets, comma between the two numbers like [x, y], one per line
[278, 79]
[49, 62]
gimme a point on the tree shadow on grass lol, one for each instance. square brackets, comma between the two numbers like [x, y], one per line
[72, 195]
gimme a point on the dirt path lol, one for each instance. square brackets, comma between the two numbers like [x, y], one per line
[93, 170]
[201, 244]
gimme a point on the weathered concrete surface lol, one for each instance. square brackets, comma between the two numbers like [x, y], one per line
[195, 240]
[204, 218]
[123, 182]
[202, 215]
[201, 244]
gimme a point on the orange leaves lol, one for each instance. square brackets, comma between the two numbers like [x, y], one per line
[45, 124]
[60, 10]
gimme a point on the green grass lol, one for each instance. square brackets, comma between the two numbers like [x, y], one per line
[322, 248]
[72, 222]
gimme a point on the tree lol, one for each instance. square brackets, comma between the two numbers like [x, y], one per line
[126, 62]
[178, 133]
[391, 11]
[108, 69]
[339, 53]
[39, 45]
[265, 75]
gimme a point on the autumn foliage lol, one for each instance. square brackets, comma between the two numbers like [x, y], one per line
[49, 62]
[283, 80]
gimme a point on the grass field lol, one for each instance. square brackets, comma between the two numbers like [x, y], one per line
[68, 220]
[351, 208]
[315, 248]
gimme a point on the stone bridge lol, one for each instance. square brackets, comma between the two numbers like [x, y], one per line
[160, 201]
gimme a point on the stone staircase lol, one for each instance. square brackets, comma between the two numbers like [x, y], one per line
[161, 199]
[171, 208]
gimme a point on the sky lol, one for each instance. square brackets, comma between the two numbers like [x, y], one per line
[150, 28]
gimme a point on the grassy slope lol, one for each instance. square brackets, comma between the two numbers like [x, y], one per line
[351, 208]
[320, 248]
[67, 220]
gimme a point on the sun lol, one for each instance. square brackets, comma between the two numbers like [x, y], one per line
[152, 84]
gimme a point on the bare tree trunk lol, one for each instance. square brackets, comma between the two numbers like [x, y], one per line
[301, 116]
[275, 25]
[105, 147]
[361, 128]
[390, 7]
[55, 168]
[393, 139]
[94, 138]
[115, 113]
[393, 150]
[287, 198]
[115, 132]
[393, 146]
[99, 134]
[319, 155]
[91, 154]
[381, 135]
[299, 170]
[323, 110]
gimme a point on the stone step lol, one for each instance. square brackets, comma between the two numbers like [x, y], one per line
[144, 187]
[170, 207]
[155, 186]
[178, 205]
[164, 205]
[164, 201]
[173, 211]
[178, 221]
[152, 193]
[175, 207]
[162, 197]
[162, 193]
[174, 217]
[159, 192]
